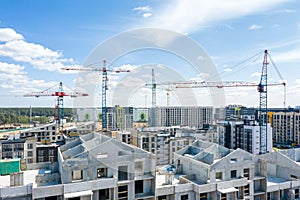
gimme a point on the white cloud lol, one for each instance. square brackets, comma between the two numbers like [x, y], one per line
[194, 15]
[38, 56]
[146, 15]
[255, 74]
[145, 11]
[288, 55]
[127, 67]
[254, 27]
[284, 11]
[142, 8]
[15, 78]
[227, 70]
[11, 68]
[8, 34]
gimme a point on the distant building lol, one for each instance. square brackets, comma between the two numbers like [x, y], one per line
[286, 127]
[245, 134]
[123, 136]
[192, 116]
[118, 117]
[45, 133]
[80, 128]
[46, 152]
[238, 111]
[24, 149]
[161, 142]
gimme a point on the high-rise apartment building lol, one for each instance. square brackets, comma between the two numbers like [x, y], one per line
[192, 116]
[245, 134]
[286, 127]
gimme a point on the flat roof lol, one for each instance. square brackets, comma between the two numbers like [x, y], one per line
[271, 180]
[29, 177]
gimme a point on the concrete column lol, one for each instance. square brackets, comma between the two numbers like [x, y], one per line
[95, 194]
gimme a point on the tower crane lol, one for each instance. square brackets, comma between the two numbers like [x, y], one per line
[104, 71]
[153, 85]
[60, 94]
[261, 87]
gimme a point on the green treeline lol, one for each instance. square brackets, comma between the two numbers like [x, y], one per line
[21, 115]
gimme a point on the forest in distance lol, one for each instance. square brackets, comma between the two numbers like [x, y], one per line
[22, 115]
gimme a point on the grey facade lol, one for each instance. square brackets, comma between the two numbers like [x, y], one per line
[205, 170]
[192, 116]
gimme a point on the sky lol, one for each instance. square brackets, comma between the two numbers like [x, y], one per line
[39, 38]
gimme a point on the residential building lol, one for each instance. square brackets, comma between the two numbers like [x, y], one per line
[118, 117]
[245, 134]
[46, 152]
[95, 167]
[161, 142]
[45, 133]
[19, 148]
[238, 111]
[116, 170]
[192, 116]
[80, 128]
[286, 127]
[123, 136]
[204, 170]
[92, 166]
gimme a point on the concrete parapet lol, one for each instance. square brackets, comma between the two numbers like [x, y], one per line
[46, 191]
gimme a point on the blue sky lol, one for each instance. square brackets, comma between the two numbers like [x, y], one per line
[37, 38]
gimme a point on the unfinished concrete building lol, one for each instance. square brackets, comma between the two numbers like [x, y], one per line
[205, 170]
[101, 167]
[162, 143]
[45, 133]
[90, 167]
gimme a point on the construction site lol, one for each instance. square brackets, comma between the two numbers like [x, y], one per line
[160, 153]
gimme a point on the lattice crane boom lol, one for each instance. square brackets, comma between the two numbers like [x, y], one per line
[261, 87]
[104, 71]
[203, 84]
[59, 94]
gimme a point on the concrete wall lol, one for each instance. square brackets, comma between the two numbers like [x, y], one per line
[45, 165]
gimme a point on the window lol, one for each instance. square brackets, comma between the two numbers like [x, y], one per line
[101, 172]
[246, 173]
[233, 160]
[123, 192]
[51, 158]
[223, 196]
[203, 196]
[294, 176]
[40, 159]
[29, 146]
[122, 173]
[246, 190]
[51, 152]
[233, 173]
[77, 175]
[41, 152]
[152, 139]
[29, 153]
[29, 160]
[184, 197]
[139, 186]
[219, 175]
[162, 197]
[297, 195]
